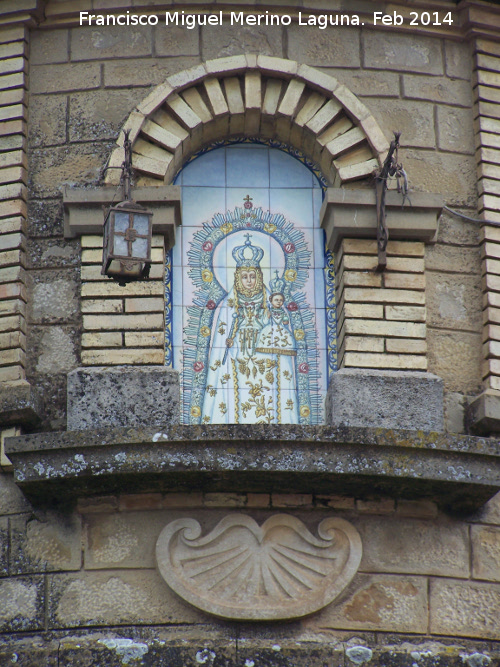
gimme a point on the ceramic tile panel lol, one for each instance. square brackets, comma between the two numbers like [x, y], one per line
[251, 333]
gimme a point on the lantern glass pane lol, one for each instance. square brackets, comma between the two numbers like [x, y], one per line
[140, 248]
[120, 246]
[141, 224]
[121, 221]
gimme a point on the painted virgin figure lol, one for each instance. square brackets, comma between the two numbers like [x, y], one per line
[251, 374]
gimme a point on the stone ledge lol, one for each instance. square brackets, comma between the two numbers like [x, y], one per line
[274, 647]
[484, 413]
[20, 405]
[83, 209]
[353, 214]
[459, 473]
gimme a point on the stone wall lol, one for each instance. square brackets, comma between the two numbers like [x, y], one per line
[422, 572]
[85, 82]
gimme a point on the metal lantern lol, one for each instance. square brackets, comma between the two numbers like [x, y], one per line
[128, 228]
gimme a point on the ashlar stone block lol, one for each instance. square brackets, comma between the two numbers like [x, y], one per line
[122, 396]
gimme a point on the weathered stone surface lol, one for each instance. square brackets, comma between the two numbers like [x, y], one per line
[415, 120]
[108, 42]
[52, 169]
[4, 546]
[458, 59]
[463, 260]
[53, 253]
[455, 132]
[45, 217]
[46, 544]
[21, 604]
[59, 78]
[441, 89]
[456, 231]
[442, 172]
[260, 581]
[454, 301]
[367, 83]
[115, 598]
[52, 387]
[20, 403]
[455, 405]
[54, 350]
[47, 125]
[456, 358]
[29, 652]
[54, 297]
[122, 540]
[153, 71]
[465, 608]
[12, 499]
[233, 40]
[230, 458]
[99, 115]
[48, 46]
[414, 546]
[486, 553]
[122, 396]
[177, 41]
[324, 47]
[382, 602]
[387, 399]
[402, 52]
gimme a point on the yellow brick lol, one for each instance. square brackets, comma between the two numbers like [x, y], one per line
[104, 339]
[153, 305]
[12, 257]
[397, 361]
[370, 262]
[405, 346]
[491, 367]
[491, 282]
[491, 315]
[494, 382]
[364, 310]
[11, 274]
[405, 280]
[388, 296]
[111, 288]
[406, 313]
[398, 248]
[144, 339]
[12, 373]
[490, 249]
[13, 323]
[491, 332]
[113, 322]
[11, 241]
[363, 344]
[102, 305]
[491, 349]
[491, 266]
[12, 357]
[12, 339]
[13, 225]
[123, 356]
[12, 307]
[384, 328]
[360, 279]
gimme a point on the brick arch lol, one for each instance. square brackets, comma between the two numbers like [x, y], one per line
[251, 96]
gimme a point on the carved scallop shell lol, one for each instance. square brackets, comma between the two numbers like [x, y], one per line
[244, 571]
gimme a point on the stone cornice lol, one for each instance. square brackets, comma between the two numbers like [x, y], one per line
[460, 473]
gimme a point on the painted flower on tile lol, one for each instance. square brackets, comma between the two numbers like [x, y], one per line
[227, 228]
[299, 334]
[198, 366]
[290, 275]
[304, 411]
[207, 276]
[292, 307]
[211, 305]
[289, 247]
[195, 411]
[205, 332]
[207, 246]
[303, 367]
[269, 227]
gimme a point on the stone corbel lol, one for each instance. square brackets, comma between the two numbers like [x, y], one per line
[83, 209]
[353, 214]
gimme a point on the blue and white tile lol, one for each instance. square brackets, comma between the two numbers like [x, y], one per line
[247, 167]
[288, 172]
[207, 169]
